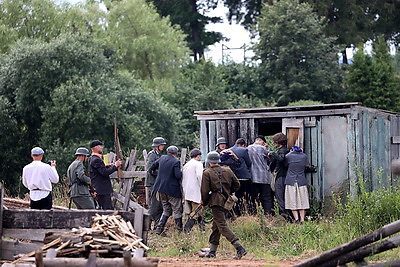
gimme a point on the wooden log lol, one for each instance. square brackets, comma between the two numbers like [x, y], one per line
[39, 258]
[99, 262]
[361, 253]
[378, 234]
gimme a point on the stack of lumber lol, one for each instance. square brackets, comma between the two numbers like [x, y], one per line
[109, 236]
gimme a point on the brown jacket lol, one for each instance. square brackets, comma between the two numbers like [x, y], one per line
[211, 194]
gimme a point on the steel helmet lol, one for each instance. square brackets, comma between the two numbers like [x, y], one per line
[172, 150]
[213, 157]
[221, 140]
[158, 141]
[82, 151]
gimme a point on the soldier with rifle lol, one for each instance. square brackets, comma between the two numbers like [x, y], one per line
[78, 181]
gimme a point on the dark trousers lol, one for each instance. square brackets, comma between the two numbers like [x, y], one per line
[155, 206]
[83, 202]
[43, 204]
[263, 195]
[244, 197]
[280, 194]
[220, 227]
[104, 202]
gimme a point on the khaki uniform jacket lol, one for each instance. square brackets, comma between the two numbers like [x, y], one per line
[211, 194]
[78, 181]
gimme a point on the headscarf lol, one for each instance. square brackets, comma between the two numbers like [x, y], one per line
[297, 149]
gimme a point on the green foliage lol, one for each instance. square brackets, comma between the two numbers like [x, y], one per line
[146, 44]
[297, 60]
[371, 79]
[368, 211]
[305, 103]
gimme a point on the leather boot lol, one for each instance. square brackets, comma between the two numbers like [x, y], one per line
[178, 222]
[161, 224]
[212, 253]
[240, 251]
[188, 225]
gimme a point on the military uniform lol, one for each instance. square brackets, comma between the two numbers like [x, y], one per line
[155, 207]
[217, 183]
[79, 185]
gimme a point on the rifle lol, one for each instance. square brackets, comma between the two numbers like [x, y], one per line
[118, 151]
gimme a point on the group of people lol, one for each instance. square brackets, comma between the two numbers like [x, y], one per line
[177, 191]
[86, 192]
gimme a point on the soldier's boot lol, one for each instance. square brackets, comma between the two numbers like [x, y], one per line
[188, 225]
[161, 225]
[212, 253]
[178, 222]
[201, 223]
[240, 251]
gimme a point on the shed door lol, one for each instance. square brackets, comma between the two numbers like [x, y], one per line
[294, 130]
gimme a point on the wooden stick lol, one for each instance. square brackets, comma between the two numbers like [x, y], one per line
[44, 247]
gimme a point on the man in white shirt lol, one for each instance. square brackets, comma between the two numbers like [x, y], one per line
[38, 176]
[191, 184]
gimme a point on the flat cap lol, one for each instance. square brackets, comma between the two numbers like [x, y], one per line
[95, 143]
[37, 151]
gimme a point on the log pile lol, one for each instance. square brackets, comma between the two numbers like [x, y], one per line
[109, 236]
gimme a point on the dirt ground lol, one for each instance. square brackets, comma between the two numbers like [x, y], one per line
[168, 262]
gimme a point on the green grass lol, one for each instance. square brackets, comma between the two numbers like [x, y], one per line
[272, 238]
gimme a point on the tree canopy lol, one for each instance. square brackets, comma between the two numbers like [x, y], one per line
[297, 60]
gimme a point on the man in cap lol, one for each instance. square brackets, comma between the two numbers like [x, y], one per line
[155, 207]
[79, 182]
[216, 185]
[168, 187]
[192, 172]
[100, 175]
[38, 176]
[260, 176]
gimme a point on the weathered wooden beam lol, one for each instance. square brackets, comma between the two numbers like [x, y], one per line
[129, 174]
[284, 114]
[358, 255]
[31, 234]
[99, 262]
[378, 234]
[60, 219]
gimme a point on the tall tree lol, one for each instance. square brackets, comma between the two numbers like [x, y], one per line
[371, 79]
[189, 15]
[297, 60]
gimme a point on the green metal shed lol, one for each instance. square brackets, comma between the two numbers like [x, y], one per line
[344, 140]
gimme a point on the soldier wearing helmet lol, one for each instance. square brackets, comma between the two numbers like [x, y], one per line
[216, 185]
[168, 187]
[155, 207]
[79, 182]
[221, 144]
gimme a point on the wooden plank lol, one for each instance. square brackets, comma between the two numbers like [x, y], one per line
[244, 131]
[129, 174]
[138, 222]
[366, 149]
[315, 161]
[285, 114]
[232, 132]
[204, 140]
[59, 219]
[127, 193]
[352, 153]
[133, 205]
[222, 128]
[252, 129]
[212, 136]
[31, 234]
[11, 248]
